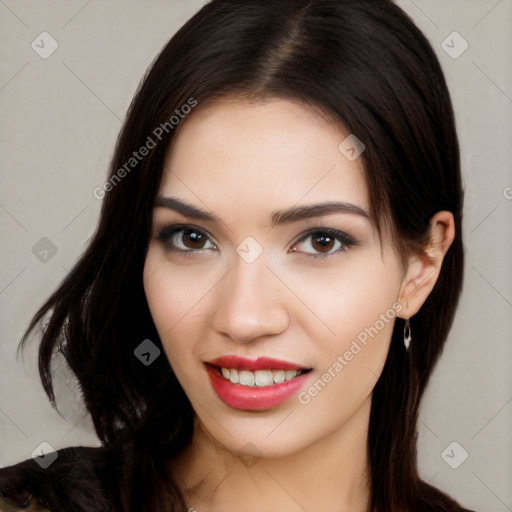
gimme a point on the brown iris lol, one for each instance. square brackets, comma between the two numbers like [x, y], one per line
[193, 239]
[322, 242]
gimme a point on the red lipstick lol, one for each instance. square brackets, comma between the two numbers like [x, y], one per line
[254, 398]
[261, 363]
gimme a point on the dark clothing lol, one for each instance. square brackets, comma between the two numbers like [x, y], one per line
[80, 479]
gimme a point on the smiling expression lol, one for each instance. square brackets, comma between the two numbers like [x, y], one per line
[263, 267]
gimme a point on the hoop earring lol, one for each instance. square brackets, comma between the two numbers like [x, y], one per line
[407, 334]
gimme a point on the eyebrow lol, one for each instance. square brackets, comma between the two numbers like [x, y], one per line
[187, 210]
[295, 214]
[288, 216]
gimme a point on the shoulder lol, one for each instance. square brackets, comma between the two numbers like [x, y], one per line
[79, 479]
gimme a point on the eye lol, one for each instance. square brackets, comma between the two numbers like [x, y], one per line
[323, 242]
[185, 239]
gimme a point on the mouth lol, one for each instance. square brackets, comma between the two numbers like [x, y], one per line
[259, 378]
[254, 384]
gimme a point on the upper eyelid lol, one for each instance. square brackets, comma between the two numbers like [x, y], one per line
[174, 228]
[333, 231]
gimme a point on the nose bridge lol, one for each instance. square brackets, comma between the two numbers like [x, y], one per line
[250, 304]
[248, 288]
[249, 276]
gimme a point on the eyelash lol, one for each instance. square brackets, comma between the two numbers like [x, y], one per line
[345, 240]
[165, 236]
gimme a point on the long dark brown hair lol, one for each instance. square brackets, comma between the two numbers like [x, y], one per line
[366, 64]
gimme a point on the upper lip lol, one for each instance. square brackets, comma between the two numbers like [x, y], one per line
[260, 363]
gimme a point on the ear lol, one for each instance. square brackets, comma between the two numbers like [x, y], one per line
[423, 268]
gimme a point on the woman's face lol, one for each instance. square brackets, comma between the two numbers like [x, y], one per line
[270, 289]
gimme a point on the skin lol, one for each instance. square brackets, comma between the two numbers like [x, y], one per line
[241, 162]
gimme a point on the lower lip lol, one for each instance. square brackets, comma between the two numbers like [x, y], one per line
[253, 398]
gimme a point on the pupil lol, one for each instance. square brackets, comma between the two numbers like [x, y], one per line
[193, 239]
[322, 242]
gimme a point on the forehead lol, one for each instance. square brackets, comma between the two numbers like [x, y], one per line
[274, 154]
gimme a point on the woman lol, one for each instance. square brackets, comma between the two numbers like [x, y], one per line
[282, 222]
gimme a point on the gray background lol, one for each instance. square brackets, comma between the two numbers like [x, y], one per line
[60, 119]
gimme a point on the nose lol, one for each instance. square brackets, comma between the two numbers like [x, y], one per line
[250, 303]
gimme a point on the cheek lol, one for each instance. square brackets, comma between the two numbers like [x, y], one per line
[343, 301]
[352, 310]
[350, 315]
[172, 294]
[177, 302]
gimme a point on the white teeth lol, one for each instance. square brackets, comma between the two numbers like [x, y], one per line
[246, 378]
[289, 374]
[258, 378]
[263, 378]
[278, 376]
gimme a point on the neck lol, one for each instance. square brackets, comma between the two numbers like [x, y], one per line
[330, 475]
